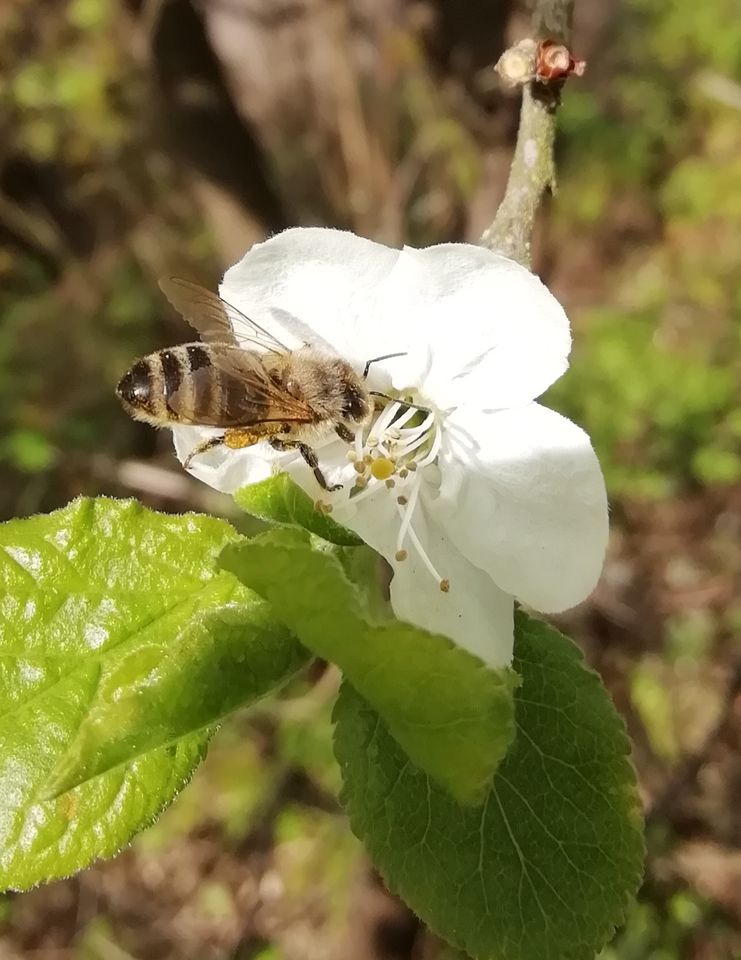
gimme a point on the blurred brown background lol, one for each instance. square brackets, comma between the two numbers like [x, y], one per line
[140, 138]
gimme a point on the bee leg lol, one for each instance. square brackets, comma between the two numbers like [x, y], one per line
[344, 433]
[309, 456]
[202, 447]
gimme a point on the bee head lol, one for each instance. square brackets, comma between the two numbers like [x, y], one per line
[356, 407]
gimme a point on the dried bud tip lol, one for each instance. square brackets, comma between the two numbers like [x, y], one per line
[578, 67]
[517, 65]
[554, 61]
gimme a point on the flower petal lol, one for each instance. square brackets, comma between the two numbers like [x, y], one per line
[229, 470]
[497, 337]
[475, 613]
[523, 497]
[326, 287]
[471, 324]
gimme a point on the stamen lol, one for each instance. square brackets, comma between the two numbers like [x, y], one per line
[421, 427]
[391, 444]
[404, 418]
[434, 449]
[406, 515]
[384, 421]
[407, 448]
[366, 489]
[443, 581]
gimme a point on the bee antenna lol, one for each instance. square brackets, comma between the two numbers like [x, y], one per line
[386, 356]
[404, 403]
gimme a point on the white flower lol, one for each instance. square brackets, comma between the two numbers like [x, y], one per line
[493, 495]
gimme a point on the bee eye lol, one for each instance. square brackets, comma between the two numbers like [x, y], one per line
[355, 406]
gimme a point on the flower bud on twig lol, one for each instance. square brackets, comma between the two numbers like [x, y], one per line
[554, 61]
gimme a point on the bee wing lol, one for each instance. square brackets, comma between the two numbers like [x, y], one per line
[215, 320]
[248, 396]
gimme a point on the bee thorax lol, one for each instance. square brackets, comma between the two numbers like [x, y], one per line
[330, 386]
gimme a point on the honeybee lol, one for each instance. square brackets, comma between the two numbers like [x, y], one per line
[290, 398]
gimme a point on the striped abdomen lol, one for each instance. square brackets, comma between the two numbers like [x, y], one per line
[178, 385]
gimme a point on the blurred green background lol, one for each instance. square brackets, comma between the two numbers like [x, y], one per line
[152, 136]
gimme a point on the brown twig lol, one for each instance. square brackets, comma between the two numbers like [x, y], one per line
[532, 171]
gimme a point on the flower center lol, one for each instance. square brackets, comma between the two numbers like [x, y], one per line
[391, 456]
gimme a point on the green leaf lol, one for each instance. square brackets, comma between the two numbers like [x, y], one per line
[121, 644]
[546, 867]
[185, 671]
[449, 712]
[281, 501]
[44, 840]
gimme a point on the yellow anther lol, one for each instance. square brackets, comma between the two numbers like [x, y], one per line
[401, 555]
